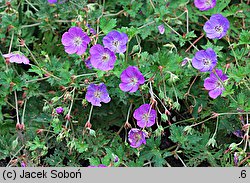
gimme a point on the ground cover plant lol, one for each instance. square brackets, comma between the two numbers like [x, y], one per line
[128, 83]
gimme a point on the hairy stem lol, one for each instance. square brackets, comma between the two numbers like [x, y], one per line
[17, 113]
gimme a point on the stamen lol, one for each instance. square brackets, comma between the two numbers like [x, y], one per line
[218, 28]
[77, 41]
[208, 3]
[97, 94]
[105, 57]
[206, 61]
[133, 80]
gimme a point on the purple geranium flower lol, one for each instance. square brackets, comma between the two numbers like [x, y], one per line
[116, 158]
[184, 61]
[205, 60]
[131, 79]
[55, 1]
[161, 29]
[136, 137]
[214, 85]
[204, 5]
[116, 41]
[102, 58]
[88, 63]
[52, 1]
[59, 110]
[145, 116]
[23, 164]
[97, 94]
[17, 58]
[238, 133]
[216, 26]
[75, 41]
[91, 30]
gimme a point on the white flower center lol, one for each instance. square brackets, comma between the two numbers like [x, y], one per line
[97, 94]
[133, 81]
[218, 84]
[208, 3]
[77, 41]
[218, 28]
[145, 117]
[206, 61]
[116, 43]
[105, 57]
[137, 137]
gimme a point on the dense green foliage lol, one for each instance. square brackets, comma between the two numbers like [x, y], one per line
[200, 131]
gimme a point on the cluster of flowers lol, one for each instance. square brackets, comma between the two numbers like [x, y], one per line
[104, 58]
[145, 117]
[205, 60]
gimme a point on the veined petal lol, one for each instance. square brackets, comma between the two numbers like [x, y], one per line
[215, 93]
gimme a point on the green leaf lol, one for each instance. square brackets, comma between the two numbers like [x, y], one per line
[107, 25]
[94, 161]
[164, 117]
[36, 70]
[245, 37]
[81, 146]
[167, 154]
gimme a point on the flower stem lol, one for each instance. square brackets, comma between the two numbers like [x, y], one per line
[14, 156]
[128, 114]
[88, 74]
[90, 113]
[187, 21]
[17, 113]
[98, 21]
[127, 51]
[11, 41]
[152, 4]
[147, 24]
[24, 108]
[71, 105]
[180, 159]
[115, 14]
[179, 34]
[129, 109]
[36, 62]
[230, 45]
[219, 114]
[161, 103]
[196, 124]
[201, 36]
[30, 25]
[216, 128]
[31, 5]
[38, 79]
[178, 16]
[247, 134]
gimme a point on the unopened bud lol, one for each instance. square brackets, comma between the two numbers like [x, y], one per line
[127, 125]
[22, 42]
[88, 125]
[39, 131]
[68, 117]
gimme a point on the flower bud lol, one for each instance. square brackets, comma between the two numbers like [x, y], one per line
[59, 110]
[39, 131]
[68, 117]
[88, 125]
